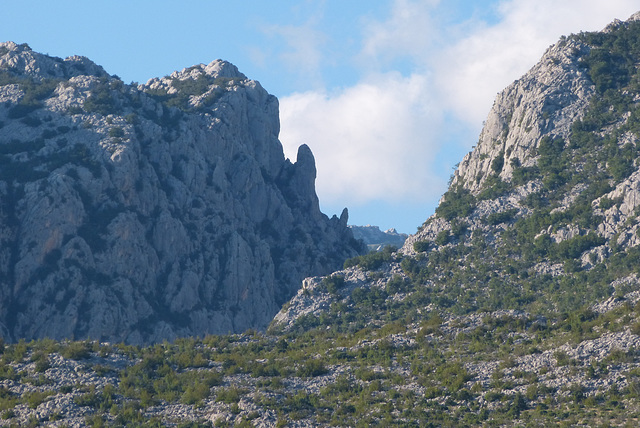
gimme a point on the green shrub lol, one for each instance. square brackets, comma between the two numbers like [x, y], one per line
[16, 352]
[90, 399]
[196, 393]
[42, 362]
[333, 283]
[453, 375]
[431, 325]
[493, 188]
[421, 246]
[620, 167]
[96, 421]
[312, 368]
[522, 175]
[606, 203]
[116, 132]
[76, 350]
[495, 219]
[517, 405]
[443, 237]
[562, 358]
[229, 395]
[35, 398]
[458, 202]
[398, 284]
[498, 162]
[373, 260]
[574, 247]
[100, 100]
[8, 401]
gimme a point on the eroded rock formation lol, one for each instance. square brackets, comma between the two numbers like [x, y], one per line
[143, 213]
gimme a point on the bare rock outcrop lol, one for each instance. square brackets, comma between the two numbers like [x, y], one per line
[532, 152]
[543, 102]
[143, 213]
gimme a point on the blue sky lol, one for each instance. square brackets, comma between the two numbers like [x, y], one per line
[389, 94]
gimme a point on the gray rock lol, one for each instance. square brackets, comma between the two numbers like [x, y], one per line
[518, 119]
[150, 212]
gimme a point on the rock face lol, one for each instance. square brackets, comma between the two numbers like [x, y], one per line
[544, 102]
[143, 213]
[561, 137]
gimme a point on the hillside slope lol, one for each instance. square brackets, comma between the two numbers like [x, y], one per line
[149, 212]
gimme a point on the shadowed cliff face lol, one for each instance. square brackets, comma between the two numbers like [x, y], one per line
[145, 213]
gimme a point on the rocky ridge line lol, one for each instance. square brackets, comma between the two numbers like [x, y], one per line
[149, 212]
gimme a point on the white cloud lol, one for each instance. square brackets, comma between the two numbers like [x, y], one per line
[471, 71]
[410, 32]
[370, 141]
[304, 49]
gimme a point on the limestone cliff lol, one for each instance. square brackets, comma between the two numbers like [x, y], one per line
[143, 213]
[562, 135]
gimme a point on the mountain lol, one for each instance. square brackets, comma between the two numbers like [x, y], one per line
[516, 304]
[375, 239]
[140, 213]
[542, 214]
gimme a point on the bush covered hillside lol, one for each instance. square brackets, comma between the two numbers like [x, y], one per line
[516, 304]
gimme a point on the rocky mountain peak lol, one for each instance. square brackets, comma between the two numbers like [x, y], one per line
[518, 120]
[19, 59]
[376, 239]
[533, 142]
[149, 212]
[198, 78]
[546, 101]
[305, 160]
